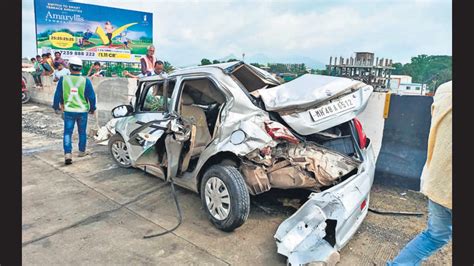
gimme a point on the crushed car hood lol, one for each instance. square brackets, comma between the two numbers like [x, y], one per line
[312, 103]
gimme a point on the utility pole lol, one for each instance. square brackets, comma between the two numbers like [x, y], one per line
[243, 57]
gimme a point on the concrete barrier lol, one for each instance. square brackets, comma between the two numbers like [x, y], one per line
[110, 92]
[404, 143]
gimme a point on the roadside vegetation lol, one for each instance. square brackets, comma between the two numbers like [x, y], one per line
[432, 70]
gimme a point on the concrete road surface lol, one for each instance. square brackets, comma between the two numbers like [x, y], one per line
[93, 212]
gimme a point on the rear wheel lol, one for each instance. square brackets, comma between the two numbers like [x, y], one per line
[119, 151]
[225, 197]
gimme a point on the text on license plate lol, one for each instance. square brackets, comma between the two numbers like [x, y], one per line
[334, 107]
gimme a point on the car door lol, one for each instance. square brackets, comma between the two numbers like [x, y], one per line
[180, 131]
[178, 134]
[149, 123]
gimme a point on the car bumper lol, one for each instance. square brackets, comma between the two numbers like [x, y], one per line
[326, 222]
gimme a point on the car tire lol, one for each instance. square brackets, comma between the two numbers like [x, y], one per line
[119, 152]
[237, 206]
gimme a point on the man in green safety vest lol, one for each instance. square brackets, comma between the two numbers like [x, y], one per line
[76, 98]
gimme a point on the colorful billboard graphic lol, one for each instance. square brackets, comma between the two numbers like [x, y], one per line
[92, 32]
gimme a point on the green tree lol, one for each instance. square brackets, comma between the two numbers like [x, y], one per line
[278, 68]
[216, 61]
[232, 60]
[256, 64]
[205, 61]
[320, 71]
[431, 70]
[167, 67]
[398, 68]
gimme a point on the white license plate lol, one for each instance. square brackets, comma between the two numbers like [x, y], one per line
[336, 106]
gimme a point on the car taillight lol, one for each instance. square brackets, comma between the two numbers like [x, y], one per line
[363, 204]
[360, 133]
[279, 131]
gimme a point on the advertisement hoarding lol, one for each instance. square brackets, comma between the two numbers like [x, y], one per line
[92, 32]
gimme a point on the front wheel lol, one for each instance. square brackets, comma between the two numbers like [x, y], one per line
[119, 151]
[225, 197]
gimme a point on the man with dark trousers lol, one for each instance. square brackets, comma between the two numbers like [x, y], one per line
[76, 98]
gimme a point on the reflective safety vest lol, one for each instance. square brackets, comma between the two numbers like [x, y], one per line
[73, 94]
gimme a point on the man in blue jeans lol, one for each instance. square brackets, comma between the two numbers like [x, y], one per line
[436, 183]
[75, 96]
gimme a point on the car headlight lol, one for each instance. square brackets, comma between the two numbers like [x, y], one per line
[237, 137]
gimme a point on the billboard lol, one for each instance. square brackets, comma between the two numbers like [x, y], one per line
[92, 32]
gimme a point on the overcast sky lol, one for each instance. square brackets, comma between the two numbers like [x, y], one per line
[186, 31]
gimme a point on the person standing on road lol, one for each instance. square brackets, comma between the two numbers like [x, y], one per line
[436, 183]
[75, 97]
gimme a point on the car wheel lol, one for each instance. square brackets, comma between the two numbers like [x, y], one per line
[225, 197]
[118, 149]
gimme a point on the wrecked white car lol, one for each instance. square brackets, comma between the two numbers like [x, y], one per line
[231, 130]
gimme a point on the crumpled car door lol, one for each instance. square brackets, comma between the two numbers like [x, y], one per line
[144, 130]
[174, 142]
[148, 129]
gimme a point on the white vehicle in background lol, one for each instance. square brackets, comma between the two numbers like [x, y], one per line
[231, 130]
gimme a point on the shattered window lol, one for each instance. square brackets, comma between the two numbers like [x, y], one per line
[155, 99]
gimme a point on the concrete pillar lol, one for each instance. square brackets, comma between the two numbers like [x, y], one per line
[389, 76]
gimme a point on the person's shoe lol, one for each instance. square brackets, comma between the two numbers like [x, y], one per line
[82, 153]
[68, 158]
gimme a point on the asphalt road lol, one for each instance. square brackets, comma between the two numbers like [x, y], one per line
[93, 212]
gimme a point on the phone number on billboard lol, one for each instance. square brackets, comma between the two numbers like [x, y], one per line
[77, 53]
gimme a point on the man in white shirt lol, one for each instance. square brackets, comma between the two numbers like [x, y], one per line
[60, 71]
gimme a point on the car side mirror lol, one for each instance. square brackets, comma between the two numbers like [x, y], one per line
[122, 110]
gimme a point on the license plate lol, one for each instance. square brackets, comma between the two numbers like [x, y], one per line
[336, 106]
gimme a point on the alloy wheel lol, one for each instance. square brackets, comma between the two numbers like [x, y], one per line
[120, 153]
[217, 198]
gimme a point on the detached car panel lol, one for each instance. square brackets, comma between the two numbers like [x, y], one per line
[232, 130]
[325, 223]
